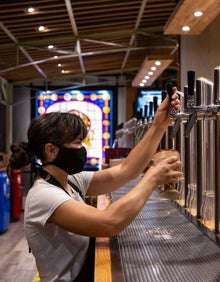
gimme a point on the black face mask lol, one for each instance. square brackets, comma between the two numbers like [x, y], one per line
[72, 160]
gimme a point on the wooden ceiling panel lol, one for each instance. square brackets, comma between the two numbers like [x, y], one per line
[27, 73]
[103, 63]
[89, 37]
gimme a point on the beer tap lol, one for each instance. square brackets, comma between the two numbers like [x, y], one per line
[148, 119]
[139, 125]
[217, 85]
[217, 148]
[169, 89]
[175, 115]
[190, 100]
[199, 109]
[145, 122]
[190, 103]
[155, 103]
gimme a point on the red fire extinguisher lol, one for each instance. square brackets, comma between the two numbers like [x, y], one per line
[16, 194]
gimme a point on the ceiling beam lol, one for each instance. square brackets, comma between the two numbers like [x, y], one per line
[75, 32]
[84, 54]
[63, 78]
[10, 35]
[132, 39]
[96, 36]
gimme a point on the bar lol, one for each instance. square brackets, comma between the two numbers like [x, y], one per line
[161, 244]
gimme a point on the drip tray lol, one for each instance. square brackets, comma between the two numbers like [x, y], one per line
[161, 244]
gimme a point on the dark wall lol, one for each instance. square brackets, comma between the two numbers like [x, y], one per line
[21, 121]
[2, 128]
[21, 113]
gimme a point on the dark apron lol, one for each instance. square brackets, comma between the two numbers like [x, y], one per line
[87, 272]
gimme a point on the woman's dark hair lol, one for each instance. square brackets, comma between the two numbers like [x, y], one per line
[56, 128]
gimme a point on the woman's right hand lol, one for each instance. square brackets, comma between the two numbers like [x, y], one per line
[162, 116]
[166, 171]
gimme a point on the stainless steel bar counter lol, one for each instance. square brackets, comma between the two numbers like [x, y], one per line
[161, 244]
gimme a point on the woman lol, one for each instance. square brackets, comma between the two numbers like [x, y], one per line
[58, 223]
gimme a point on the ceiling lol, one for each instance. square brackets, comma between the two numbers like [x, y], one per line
[92, 40]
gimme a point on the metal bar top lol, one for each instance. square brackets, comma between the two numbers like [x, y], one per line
[162, 245]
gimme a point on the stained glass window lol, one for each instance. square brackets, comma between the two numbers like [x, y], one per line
[94, 107]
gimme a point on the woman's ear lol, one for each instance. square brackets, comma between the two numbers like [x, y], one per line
[51, 151]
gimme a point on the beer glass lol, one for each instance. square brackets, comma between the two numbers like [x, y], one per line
[209, 210]
[167, 190]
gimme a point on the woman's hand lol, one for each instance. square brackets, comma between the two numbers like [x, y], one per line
[162, 118]
[165, 172]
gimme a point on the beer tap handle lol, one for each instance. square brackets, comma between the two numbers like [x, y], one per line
[141, 113]
[217, 85]
[169, 89]
[155, 102]
[191, 85]
[145, 111]
[185, 98]
[175, 128]
[190, 123]
[151, 109]
[191, 82]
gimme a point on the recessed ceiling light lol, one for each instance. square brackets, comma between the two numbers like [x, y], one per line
[198, 13]
[144, 74]
[50, 46]
[157, 63]
[184, 14]
[41, 28]
[153, 68]
[185, 28]
[141, 84]
[31, 10]
[59, 65]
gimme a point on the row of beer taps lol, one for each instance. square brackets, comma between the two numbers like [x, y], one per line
[145, 119]
[196, 108]
[193, 107]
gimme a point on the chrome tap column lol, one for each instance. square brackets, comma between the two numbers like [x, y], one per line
[200, 146]
[165, 139]
[205, 142]
[190, 143]
[217, 148]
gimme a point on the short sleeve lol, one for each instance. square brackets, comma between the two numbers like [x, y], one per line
[82, 180]
[42, 200]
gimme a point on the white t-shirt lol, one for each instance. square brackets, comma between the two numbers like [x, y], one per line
[59, 254]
